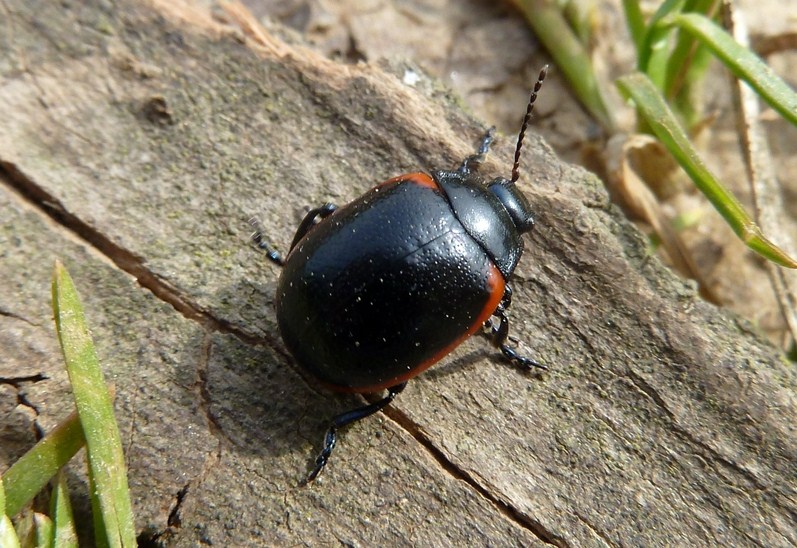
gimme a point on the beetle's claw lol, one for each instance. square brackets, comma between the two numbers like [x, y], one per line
[321, 460]
[522, 361]
[531, 363]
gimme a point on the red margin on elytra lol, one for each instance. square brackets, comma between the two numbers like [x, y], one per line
[420, 179]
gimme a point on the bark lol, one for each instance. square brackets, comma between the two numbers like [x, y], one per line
[139, 138]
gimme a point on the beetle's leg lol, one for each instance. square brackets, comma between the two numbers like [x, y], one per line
[345, 419]
[313, 217]
[500, 334]
[257, 237]
[472, 163]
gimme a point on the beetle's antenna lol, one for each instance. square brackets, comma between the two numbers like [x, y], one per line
[529, 108]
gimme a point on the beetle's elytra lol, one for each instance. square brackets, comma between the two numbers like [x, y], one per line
[375, 292]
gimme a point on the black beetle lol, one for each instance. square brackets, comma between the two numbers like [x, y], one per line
[374, 293]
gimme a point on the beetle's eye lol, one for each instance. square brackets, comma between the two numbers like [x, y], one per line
[514, 202]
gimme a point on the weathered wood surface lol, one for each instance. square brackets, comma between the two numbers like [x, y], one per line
[138, 139]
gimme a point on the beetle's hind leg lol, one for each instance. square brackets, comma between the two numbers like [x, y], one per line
[313, 217]
[345, 419]
[257, 237]
[472, 162]
[500, 334]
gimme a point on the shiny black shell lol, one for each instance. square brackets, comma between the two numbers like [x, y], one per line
[387, 285]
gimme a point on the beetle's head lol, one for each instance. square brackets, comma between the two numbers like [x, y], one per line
[515, 203]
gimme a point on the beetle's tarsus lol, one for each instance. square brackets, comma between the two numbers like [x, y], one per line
[257, 237]
[522, 361]
[321, 460]
[472, 162]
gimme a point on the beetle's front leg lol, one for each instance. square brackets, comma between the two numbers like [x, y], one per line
[472, 162]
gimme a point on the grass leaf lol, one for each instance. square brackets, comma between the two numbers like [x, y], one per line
[30, 474]
[742, 62]
[651, 106]
[107, 470]
[8, 535]
[61, 514]
[545, 17]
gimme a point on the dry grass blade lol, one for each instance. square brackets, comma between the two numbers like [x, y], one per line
[769, 211]
[627, 181]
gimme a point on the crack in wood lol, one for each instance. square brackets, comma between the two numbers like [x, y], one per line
[127, 261]
[515, 515]
[14, 316]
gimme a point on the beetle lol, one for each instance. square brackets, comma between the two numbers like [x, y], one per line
[375, 292]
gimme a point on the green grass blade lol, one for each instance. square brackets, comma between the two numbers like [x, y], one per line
[683, 88]
[107, 468]
[687, 66]
[579, 14]
[61, 514]
[8, 535]
[659, 55]
[552, 29]
[43, 530]
[686, 46]
[34, 469]
[742, 62]
[24, 529]
[651, 106]
[100, 533]
[635, 22]
[653, 52]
